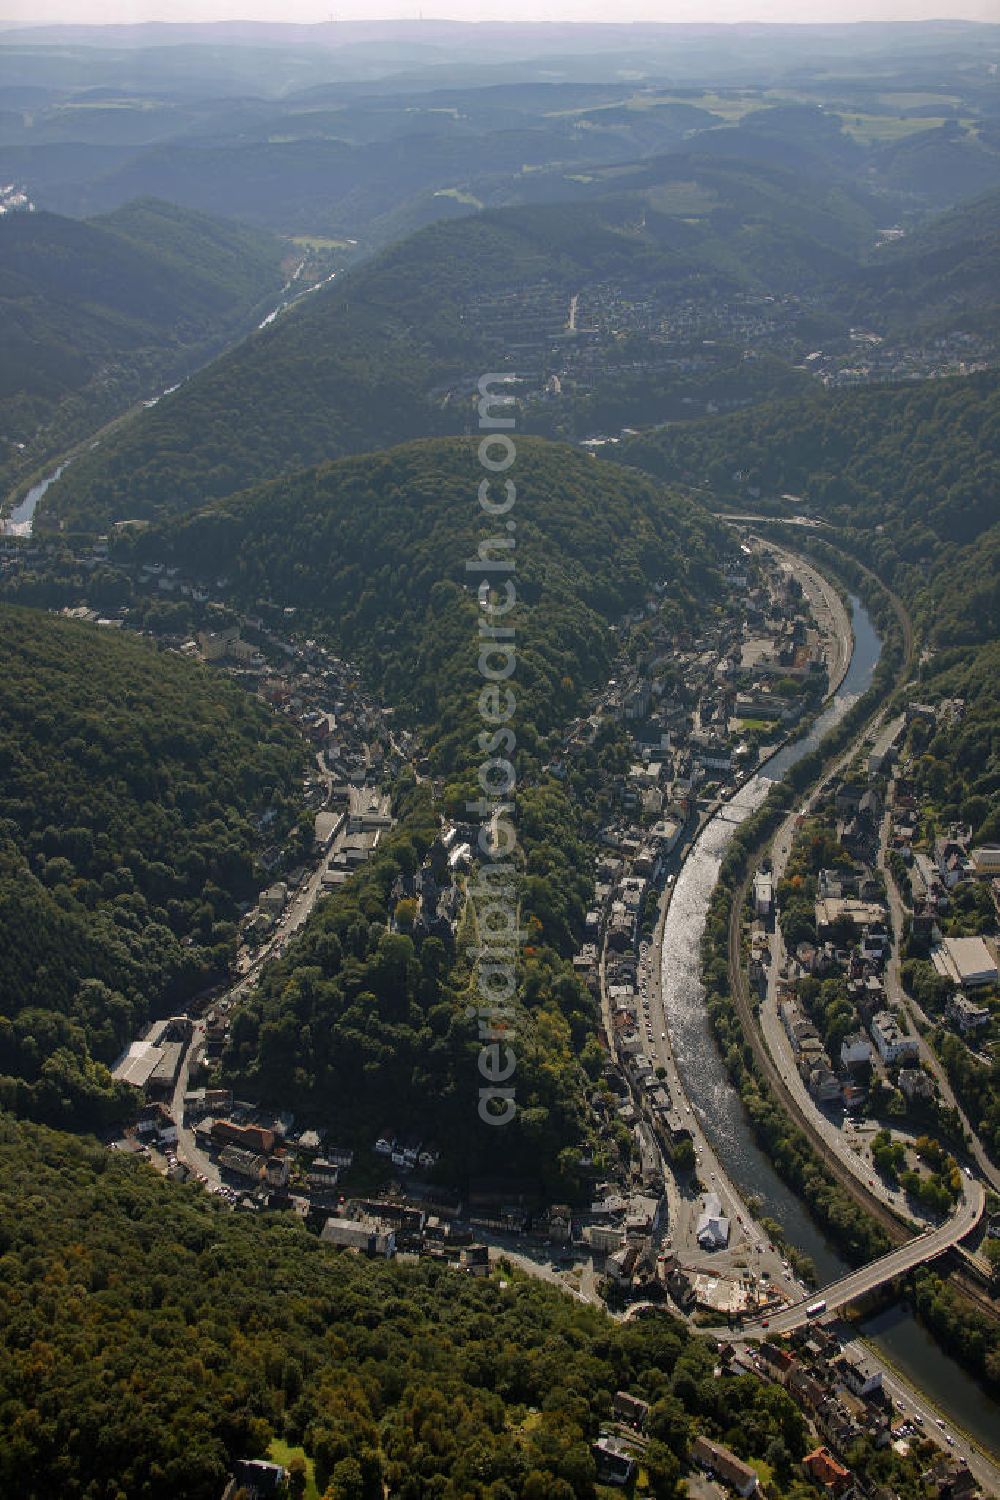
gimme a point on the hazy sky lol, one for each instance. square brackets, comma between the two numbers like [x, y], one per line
[38, 12]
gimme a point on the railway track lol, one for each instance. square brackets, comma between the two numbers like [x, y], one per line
[897, 1232]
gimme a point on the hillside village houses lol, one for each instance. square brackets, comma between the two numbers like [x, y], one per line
[853, 932]
[696, 709]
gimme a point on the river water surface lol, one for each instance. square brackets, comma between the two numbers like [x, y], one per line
[20, 520]
[714, 1099]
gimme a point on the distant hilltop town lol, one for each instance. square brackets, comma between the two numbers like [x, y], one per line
[14, 200]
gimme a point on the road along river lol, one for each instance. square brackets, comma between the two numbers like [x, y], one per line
[716, 1102]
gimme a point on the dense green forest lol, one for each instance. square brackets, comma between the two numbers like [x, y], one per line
[908, 475]
[956, 766]
[938, 279]
[370, 361]
[150, 1337]
[372, 550]
[361, 1028]
[96, 312]
[130, 787]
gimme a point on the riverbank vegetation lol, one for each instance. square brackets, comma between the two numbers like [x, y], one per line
[854, 1232]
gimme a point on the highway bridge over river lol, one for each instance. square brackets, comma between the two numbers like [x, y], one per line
[916, 1252]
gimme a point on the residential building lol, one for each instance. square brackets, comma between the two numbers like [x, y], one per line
[605, 1239]
[985, 861]
[322, 1174]
[883, 752]
[893, 1044]
[826, 1471]
[712, 1230]
[778, 1363]
[246, 1137]
[763, 894]
[615, 1464]
[965, 1014]
[860, 1374]
[367, 1236]
[475, 1260]
[631, 1409]
[855, 1050]
[246, 1164]
[725, 1466]
[916, 1086]
[258, 1479]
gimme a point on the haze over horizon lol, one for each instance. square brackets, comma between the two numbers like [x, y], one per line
[33, 13]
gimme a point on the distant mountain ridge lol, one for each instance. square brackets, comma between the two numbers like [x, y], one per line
[363, 364]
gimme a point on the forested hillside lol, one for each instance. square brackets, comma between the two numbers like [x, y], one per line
[130, 786]
[95, 312]
[357, 1023]
[910, 474]
[172, 1337]
[940, 278]
[372, 550]
[371, 360]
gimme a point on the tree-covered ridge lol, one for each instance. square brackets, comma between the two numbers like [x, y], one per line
[372, 550]
[362, 1026]
[362, 364]
[131, 783]
[149, 1338]
[909, 474]
[95, 312]
[940, 278]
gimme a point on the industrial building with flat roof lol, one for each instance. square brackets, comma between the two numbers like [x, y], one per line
[153, 1062]
[966, 961]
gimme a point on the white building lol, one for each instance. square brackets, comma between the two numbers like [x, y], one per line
[894, 1045]
[712, 1231]
[763, 894]
[855, 1050]
[986, 860]
[967, 962]
[363, 1235]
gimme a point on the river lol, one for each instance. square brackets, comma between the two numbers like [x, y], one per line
[896, 1332]
[20, 520]
[22, 515]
